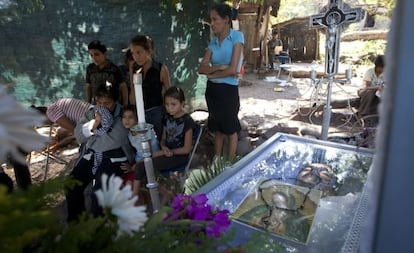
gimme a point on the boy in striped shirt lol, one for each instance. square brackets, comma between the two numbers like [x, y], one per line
[66, 112]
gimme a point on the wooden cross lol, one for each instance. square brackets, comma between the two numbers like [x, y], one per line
[333, 19]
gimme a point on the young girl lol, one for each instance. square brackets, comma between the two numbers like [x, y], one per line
[155, 80]
[176, 140]
[129, 120]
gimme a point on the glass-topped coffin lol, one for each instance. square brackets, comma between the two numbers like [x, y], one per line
[305, 192]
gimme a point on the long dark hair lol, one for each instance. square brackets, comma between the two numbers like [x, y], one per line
[379, 61]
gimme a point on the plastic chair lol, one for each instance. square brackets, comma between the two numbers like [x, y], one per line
[284, 63]
[197, 132]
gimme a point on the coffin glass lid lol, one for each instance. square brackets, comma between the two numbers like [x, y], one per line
[317, 183]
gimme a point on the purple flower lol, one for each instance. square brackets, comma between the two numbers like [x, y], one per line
[179, 205]
[196, 208]
[219, 224]
[199, 213]
[179, 202]
[200, 199]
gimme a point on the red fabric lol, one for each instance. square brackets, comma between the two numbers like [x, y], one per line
[129, 178]
[242, 69]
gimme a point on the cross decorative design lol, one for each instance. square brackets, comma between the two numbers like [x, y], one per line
[333, 19]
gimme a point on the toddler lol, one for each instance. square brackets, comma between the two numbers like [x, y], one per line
[129, 120]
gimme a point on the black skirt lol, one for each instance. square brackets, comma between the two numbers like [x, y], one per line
[223, 104]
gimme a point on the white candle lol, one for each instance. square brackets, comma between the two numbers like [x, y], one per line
[139, 99]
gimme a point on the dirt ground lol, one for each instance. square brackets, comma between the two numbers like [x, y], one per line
[265, 104]
[268, 105]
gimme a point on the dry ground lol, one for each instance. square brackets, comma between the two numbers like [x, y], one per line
[265, 104]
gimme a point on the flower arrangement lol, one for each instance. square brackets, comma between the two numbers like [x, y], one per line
[117, 201]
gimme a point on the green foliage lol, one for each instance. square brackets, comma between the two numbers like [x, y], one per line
[295, 8]
[28, 222]
[387, 4]
[89, 235]
[15, 10]
[375, 46]
[25, 217]
[298, 8]
[60, 31]
[191, 37]
[200, 177]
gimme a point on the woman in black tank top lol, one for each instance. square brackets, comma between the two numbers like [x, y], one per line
[155, 79]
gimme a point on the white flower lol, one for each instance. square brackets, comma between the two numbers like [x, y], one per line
[16, 128]
[130, 217]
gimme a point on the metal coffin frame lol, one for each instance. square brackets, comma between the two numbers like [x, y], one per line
[351, 220]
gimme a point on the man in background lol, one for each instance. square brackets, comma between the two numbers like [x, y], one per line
[274, 46]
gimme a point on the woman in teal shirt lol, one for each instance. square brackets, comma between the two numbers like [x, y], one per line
[221, 64]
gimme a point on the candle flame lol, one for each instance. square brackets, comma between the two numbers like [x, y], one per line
[139, 71]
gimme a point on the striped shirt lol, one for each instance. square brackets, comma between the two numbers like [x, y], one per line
[72, 108]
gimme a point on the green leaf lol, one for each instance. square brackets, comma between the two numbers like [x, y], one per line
[155, 220]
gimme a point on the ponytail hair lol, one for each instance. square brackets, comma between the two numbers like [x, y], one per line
[224, 10]
[175, 92]
[144, 41]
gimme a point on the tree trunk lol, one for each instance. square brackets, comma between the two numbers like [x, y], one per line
[365, 35]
